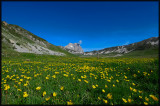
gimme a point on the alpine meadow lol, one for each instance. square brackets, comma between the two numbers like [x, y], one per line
[35, 70]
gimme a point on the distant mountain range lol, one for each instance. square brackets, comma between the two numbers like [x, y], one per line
[150, 43]
[17, 39]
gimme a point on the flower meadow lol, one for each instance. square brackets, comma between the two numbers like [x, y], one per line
[74, 80]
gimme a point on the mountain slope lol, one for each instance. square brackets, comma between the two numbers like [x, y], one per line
[15, 38]
[151, 43]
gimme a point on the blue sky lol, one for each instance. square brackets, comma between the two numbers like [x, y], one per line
[97, 24]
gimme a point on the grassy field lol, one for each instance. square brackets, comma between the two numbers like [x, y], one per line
[31, 79]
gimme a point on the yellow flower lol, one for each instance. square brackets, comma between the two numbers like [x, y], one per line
[54, 76]
[103, 90]
[21, 79]
[93, 86]
[134, 75]
[79, 79]
[146, 99]
[133, 84]
[145, 103]
[96, 85]
[129, 100]
[105, 101]
[106, 86]
[86, 81]
[124, 100]
[44, 93]
[140, 91]
[56, 72]
[140, 97]
[25, 84]
[153, 97]
[19, 83]
[25, 94]
[47, 77]
[117, 80]
[99, 98]
[134, 90]
[19, 89]
[38, 88]
[47, 98]
[109, 96]
[6, 87]
[62, 88]
[69, 102]
[113, 85]
[54, 94]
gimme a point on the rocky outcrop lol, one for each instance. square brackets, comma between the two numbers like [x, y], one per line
[74, 48]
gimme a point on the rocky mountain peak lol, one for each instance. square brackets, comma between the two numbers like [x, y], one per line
[74, 48]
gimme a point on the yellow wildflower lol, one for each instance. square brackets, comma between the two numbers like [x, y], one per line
[103, 90]
[146, 99]
[117, 80]
[44, 93]
[153, 97]
[129, 100]
[86, 81]
[47, 77]
[124, 100]
[25, 84]
[140, 97]
[38, 88]
[47, 98]
[93, 86]
[99, 98]
[134, 90]
[69, 102]
[79, 80]
[106, 86]
[54, 76]
[25, 94]
[113, 85]
[133, 84]
[21, 79]
[109, 96]
[145, 103]
[56, 72]
[105, 101]
[62, 88]
[6, 87]
[54, 94]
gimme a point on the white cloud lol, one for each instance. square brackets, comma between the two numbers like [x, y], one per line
[80, 42]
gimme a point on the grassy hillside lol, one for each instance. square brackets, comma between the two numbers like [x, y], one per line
[143, 53]
[22, 37]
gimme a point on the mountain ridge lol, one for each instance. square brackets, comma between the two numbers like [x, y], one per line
[18, 39]
[142, 45]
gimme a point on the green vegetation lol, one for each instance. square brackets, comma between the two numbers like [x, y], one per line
[46, 79]
[143, 53]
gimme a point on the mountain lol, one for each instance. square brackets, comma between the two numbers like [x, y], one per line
[74, 48]
[151, 43]
[17, 39]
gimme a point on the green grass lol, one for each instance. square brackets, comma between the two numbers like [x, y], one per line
[71, 69]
